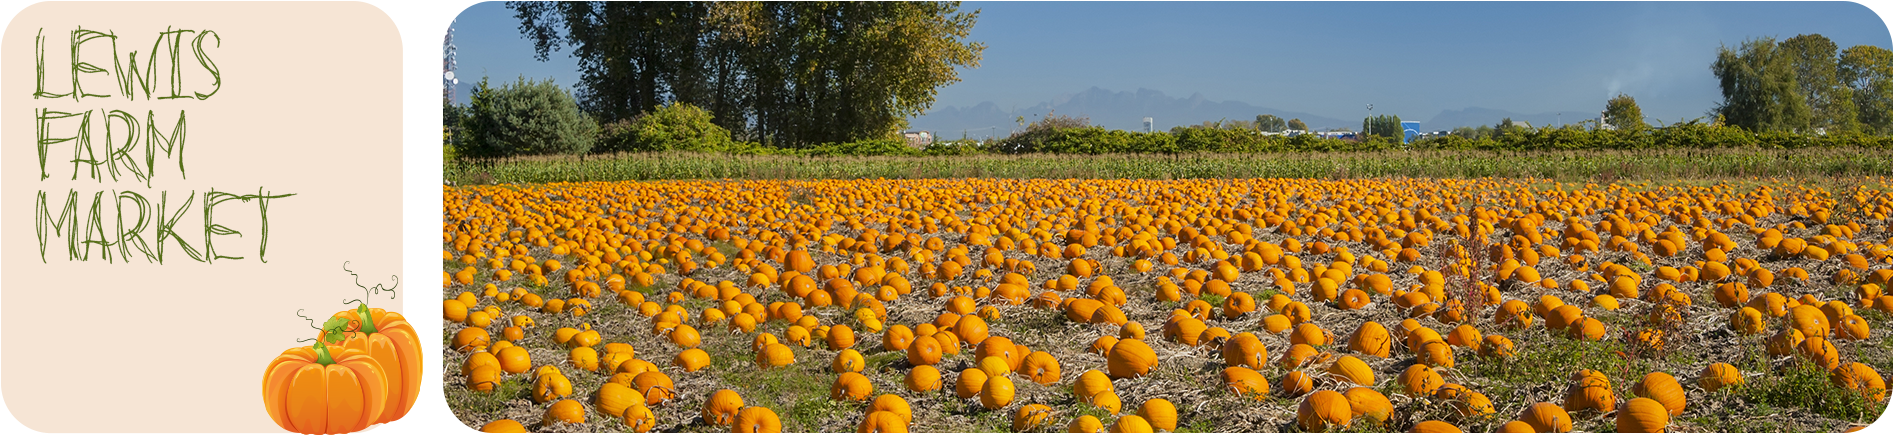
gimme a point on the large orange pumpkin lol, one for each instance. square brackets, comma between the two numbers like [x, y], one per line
[1322, 410]
[1642, 415]
[307, 390]
[391, 341]
[1664, 389]
[1131, 358]
[721, 409]
[756, 419]
[1545, 417]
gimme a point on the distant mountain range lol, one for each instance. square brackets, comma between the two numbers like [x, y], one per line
[1126, 111]
[1114, 110]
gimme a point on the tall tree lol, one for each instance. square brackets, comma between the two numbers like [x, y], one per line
[1387, 126]
[523, 117]
[1297, 125]
[789, 73]
[1868, 72]
[1830, 103]
[1270, 123]
[1759, 91]
[1622, 112]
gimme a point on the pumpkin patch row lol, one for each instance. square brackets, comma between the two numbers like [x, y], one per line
[1093, 305]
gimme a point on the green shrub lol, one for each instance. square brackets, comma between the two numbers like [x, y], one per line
[614, 137]
[523, 118]
[677, 127]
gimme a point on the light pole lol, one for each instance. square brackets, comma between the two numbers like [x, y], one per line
[1370, 120]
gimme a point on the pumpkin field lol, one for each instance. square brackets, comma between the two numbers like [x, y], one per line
[1386, 304]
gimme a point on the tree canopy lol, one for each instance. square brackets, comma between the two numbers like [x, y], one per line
[1830, 104]
[1270, 123]
[783, 73]
[1622, 112]
[1867, 71]
[524, 117]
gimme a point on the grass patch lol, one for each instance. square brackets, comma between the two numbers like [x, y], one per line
[1806, 386]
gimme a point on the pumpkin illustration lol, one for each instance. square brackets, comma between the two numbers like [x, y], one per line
[308, 390]
[391, 341]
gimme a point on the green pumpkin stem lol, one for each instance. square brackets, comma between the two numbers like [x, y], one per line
[367, 319]
[322, 354]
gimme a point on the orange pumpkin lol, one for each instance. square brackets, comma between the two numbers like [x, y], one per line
[566, 411]
[851, 386]
[1160, 414]
[923, 351]
[1545, 417]
[1245, 382]
[1371, 339]
[307, 390]
[1861, 378]
[1322, 410]
[1131, 359]
[922, 379]
[1365, 402]
[1642, 415]
[1351, 369]
[721, 409]
[969, 383]
[1718, 375]
[1040, 367]
[1664, 389]
[504, 426]
[997, 393]
[1031, 417]
[756, 419]
[1296, 383]
[391, 341]
[1420, 380]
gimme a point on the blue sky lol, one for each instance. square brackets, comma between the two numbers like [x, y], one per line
[1327, 58]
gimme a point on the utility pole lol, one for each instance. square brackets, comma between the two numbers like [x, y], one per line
[1370, 120]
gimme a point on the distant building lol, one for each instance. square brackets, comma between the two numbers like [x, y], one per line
[1150, 125]
[918, 139]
